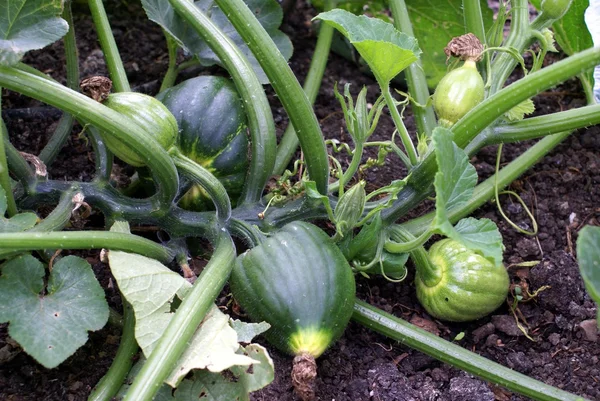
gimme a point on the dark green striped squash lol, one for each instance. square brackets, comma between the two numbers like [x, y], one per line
[212, 132]
[299, 282]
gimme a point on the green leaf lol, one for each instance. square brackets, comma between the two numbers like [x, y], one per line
[573, 36]
[434, 24]
[209, 386]
[17, 223]
[268, 12]
[456, 177]
[454, 183]
[588, 255]
[150, 288]
[518, 112]
[247, 331]
[28, 25]
[51, 326]
[213, 347]
[386, 50]
[480, 235]
[313, 193]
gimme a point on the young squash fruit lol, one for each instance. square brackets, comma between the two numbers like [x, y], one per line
[299, 282]
[457, 93]
[470, 286]
[147, 112]
[212, 132]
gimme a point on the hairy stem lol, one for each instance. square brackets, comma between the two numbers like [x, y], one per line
[30, 241]
[415, 76]
[65, 124]
[112, 381]
[289, 141]
[109, 47]
[288, 90]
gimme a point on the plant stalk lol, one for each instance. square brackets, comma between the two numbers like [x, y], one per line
[65, 124]
[485, 191]
[415, 76]
[184, 322]
[29, 241]
[289, 91]
[452, 354]
[399, 123]
[109, 47]
[109, 121]
[206, 180]
[548, 124]
[289, 142]
[112, 381]
[11, 206]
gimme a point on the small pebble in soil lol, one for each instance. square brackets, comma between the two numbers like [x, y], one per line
[385, 379]
[519, 362]
[507, 325]
[554, 338]
[464, 388]
[590, 329]
[482, 332]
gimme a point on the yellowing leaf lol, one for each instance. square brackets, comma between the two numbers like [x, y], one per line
[518, 112]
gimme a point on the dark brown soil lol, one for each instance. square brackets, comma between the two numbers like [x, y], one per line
[563, 190]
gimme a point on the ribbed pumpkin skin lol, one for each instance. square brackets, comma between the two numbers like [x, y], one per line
[471, 286]
[457, 93]
[299, 282]
[212, 127]
[150, 114]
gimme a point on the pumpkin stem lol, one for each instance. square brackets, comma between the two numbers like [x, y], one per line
[304, 373]
[429, 273]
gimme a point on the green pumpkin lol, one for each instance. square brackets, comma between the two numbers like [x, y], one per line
[471, 286]
[212, 132]
[147, 112]
[299, 282]
[457, 93]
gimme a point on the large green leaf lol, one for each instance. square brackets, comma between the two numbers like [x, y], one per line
[17, 223]
[588, 255]
[268, 12]
[454, 183]
[386, 50]
[28, 25]
[151, 288]
[572, 35]
[51, 325]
